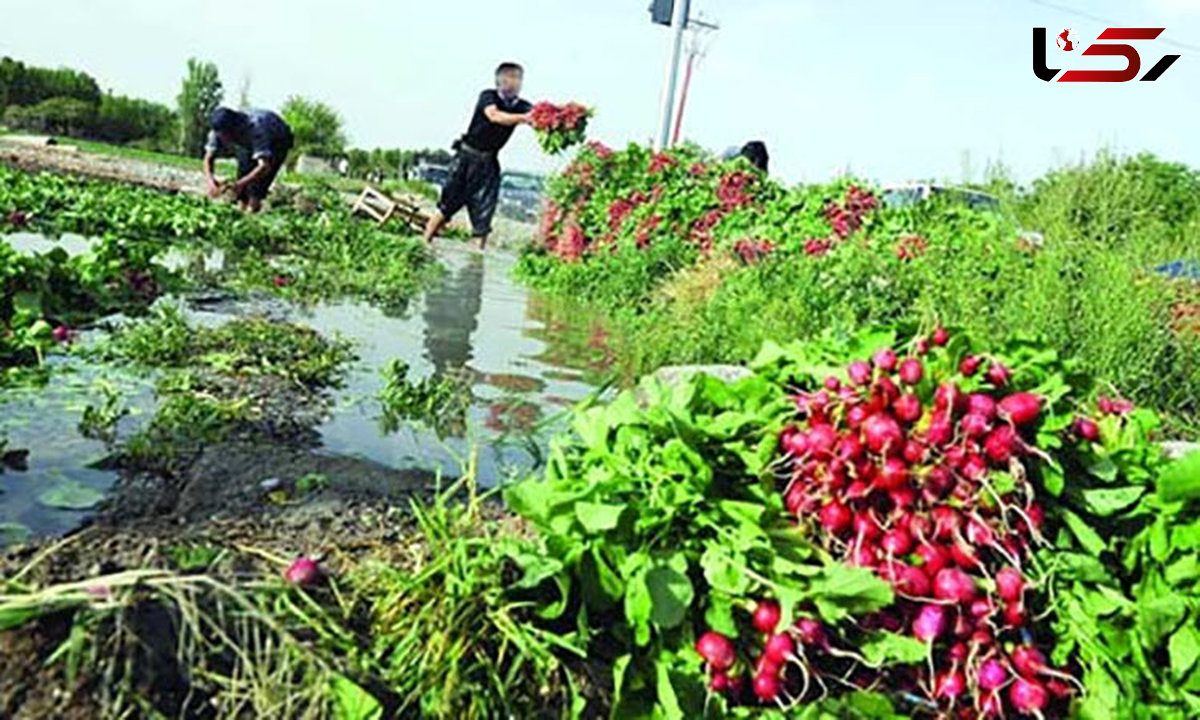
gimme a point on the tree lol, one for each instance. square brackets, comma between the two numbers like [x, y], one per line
[21, 84]
[316, 127]
[199, 95]
[56, 116]
[124, 119]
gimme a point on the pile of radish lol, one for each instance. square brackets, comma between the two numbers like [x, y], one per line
[913, 464]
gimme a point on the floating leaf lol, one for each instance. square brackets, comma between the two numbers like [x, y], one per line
[70, 495]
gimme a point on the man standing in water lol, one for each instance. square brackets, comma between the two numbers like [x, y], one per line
[475, 172]
[260, 139]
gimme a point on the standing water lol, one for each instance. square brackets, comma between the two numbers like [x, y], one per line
[526, 361]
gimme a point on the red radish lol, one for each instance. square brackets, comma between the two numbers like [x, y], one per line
[61, 333]
[959, 651]
[892, 475]
[953, 585]
[812, 632]
[982, 608]
[1020, 408]
[1009, 584]
[766, 616]
[941, 336]
[863, 556]
[1028, 698]
[940, 431]
[849, 447]
[1015, 614]
[768, 666]
[981, 404]
[833, 384]
[882, 433]
[929, 623]
[946, 522]
[766, 686]
[992, 674]
[885, 359]
[1028, 661]
[939, 481]
[821, 439]
[907, 408]
[950, 685]
[281, 281]
[934, 558]
[991, 705]
[794, 441]
[975, 425]
[902, 498]
[1058, 688]
[717, 650]
[969, 365]
[794, 499]
[719, 682]
[922, 347]
[1001, 444]
[896, 542]
[948, 398]
[835, 517]
[1087, 429]
[911, 371]
[998, 375]
[865, 527]
[859, 372]
[974, 467]
[303, 571]
[981, 637]
[735, 684]
[856, 415]
[779, 648]
[914, 451]
[906, 579]
[963, 556]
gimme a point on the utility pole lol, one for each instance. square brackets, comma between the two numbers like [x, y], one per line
[679, 20]
[700, 29]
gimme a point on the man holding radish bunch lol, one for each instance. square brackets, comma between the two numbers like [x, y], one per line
[474, 180]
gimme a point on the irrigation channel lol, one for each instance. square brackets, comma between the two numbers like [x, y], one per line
[524, 361]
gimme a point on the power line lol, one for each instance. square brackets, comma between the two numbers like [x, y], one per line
[1108, 23]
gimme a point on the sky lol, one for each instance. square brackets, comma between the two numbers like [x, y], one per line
[891, 91]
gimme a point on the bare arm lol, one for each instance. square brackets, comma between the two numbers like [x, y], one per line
[213, 185]
[259, 169]
[498, 116]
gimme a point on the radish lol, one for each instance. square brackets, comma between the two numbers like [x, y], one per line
[835, 517]
[795, 498]
[940, 431]
[885, 359]
[1028, 698]
[948, 398]
[896, 542]
[946, 522]
[982, 608]
[981, 404]
[302, 572]
[865, 527]
[812, 632]
[907, 408]
[779, 648]
[992, 674]
[941, 336]
[717, 650]
[911, 371]
[1015, 614]
[933, 557]
[964, 556]
[864, 555]
[914, 451]
[1001, 444]
[821, 439]
[953, 585]
[998, 375]
[849, 447]
[892, 475]
[61, 333]
[859, 372]
[886, 390]
[1009, 584]
[1020, 408]
[974, 467]
[1028, 661]
[766, 616]
[922, 347]
[882, 433]
[719, 682]
[906, 579]
[959, 651]
[950, 685]
[794, 441]
[856, 415]
[969, 365]
[974, 425]
[766, 686]
[1087, 429]
[833, 384]
[939, 481]
[929, 623]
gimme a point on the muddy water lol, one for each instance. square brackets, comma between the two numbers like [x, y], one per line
[528, 361]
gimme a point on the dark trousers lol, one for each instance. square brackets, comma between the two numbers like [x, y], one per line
[474, 183]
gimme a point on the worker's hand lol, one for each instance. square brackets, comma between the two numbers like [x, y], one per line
[527, 119]
[214, 188]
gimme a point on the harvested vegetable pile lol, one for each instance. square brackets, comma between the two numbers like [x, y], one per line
[559, 127]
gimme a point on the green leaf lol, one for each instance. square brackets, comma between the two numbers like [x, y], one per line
[1181, 479]
[671, 594]
[721, 571]
[841, 591]
[885, 647]
[351, 702]
[1158, 617]
[70, 495]
[598, 517]
[1103, 468]
[1109, 501]
[1184, 648]
[1087, 537]
[667, 700]
[718, 615]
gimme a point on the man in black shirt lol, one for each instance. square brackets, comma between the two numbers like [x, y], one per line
[475, 172]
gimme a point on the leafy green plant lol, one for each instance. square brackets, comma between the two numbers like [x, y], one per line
[441, 402]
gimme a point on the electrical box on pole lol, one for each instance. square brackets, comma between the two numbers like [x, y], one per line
[661, 11]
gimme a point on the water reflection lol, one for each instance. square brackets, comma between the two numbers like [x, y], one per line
[451, 315]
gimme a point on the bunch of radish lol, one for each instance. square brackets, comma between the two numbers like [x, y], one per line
[915, 468]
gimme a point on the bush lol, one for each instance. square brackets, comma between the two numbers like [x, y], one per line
[56, 116]
[123, 120]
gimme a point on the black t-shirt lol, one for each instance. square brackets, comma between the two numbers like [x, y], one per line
[485, 135]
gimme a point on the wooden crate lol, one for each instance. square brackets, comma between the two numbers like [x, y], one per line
[382, 207]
